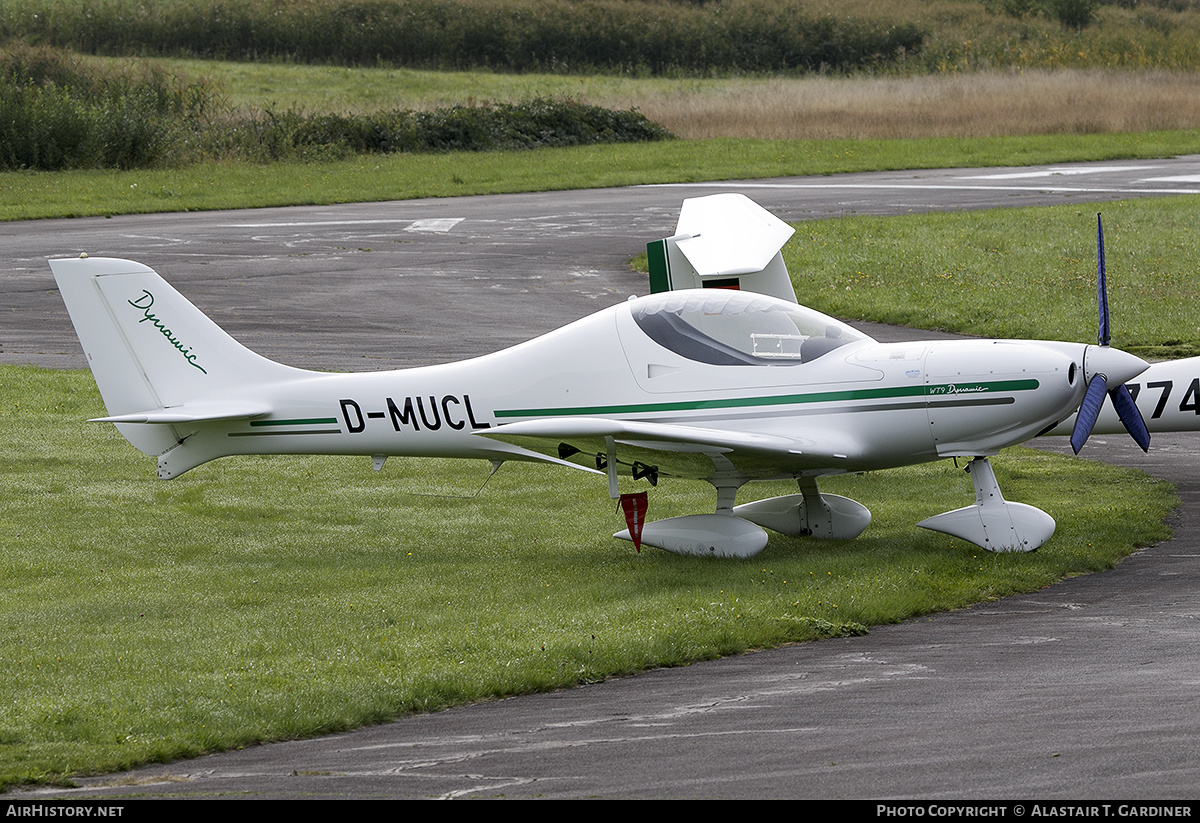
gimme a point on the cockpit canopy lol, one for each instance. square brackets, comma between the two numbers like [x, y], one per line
[733, 328]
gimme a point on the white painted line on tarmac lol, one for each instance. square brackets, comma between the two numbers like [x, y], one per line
[931, 187]
[1057, 172]
[437, 224]
[303, 223]
[1183, 178]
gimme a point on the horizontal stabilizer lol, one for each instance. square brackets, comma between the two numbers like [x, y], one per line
[723, 241]
[729, 234]
[192, 413]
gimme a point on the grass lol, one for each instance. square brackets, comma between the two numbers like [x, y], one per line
[986, 103]
[976, 104]
[394, 177]
[273, 598]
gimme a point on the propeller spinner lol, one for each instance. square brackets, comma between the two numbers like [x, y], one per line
[1105, 367]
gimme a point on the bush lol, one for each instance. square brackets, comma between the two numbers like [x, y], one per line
[537, 123]
[1074, 14]
[57, 114]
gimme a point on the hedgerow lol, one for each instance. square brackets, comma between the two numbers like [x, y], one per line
[536, 123]
[645, 36]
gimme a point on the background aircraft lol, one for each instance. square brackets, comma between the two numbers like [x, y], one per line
[718, 375]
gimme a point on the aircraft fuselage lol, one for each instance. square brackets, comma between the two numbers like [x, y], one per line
[862, 406]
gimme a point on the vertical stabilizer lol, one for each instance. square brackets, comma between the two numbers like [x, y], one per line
[148, 347]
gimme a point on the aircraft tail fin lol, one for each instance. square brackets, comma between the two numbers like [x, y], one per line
[723, 241]
[155, 356]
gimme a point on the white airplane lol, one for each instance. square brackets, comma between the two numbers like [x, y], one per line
[726, 385]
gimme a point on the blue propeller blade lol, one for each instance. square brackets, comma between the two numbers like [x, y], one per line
[1102, 285]
[1127, 410]
[1089, 410]
[1093, 399]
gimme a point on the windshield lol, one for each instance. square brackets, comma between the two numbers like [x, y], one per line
[733, 328]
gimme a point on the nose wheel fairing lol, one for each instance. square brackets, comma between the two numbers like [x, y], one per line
[994, 523]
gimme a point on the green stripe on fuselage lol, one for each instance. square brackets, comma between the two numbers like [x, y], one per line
[942, 390]
[308, 421]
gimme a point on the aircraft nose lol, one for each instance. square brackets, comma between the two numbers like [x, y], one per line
[1117, 366]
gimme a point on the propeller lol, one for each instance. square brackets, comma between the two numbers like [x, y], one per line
[1100, 361]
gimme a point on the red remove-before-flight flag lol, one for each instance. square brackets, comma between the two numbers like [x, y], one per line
[634, 506]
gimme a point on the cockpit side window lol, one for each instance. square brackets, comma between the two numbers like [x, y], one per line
[737, 328]
[670, 331]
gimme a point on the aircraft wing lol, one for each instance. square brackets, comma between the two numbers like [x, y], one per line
[675, 450]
